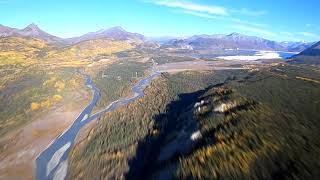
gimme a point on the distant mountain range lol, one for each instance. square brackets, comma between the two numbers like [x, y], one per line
[116, 33]
[234, 41]
[197, 42]
[32, 31]
[309, 56]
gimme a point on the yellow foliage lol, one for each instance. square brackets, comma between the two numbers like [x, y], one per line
[155, 132]
[13, 42]
[57, 98]
[89, 49]
[45, 104]
[49, 81]
[308, 79]
[59, 86]
[17, 50]
[115, 155]
[73, 83]
[34, 106]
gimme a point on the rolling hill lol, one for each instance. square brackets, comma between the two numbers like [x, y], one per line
[308, 56]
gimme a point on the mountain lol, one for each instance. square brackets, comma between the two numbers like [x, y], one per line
[163, 39]
[296, 46]
[35, 32]
[7, 31]
[197, 42]
[232, 41]
[32, 31]
[309, 56]
[314, 50]
[115, 33]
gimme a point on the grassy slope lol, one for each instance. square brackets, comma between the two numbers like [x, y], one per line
[270, 131]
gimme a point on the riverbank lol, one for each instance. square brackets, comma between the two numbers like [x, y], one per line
[23, 146]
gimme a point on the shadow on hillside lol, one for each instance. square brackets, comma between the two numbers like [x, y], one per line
[145, 161]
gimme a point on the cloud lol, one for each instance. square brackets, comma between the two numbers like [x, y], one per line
[193, 7]
[309, 34]
[207, 9]
[254, 30]
[235, 20]
[299, 36]
[287, 33]
[248, 23]
[247, 12]
[203, 15]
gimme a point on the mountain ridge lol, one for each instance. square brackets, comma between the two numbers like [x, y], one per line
[233, 41]
[32, 30]
[310, 55]
[115, 33]
[196, 42]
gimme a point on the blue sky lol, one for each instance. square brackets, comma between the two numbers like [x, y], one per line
[280, 20]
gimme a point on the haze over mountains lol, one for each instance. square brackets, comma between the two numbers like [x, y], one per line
[197, 42]
[234, 41]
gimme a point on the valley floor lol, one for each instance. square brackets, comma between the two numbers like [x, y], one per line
[21, 147]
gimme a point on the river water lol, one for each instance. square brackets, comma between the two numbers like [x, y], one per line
[52, 163]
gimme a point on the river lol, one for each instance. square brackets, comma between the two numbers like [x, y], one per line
[52, 163]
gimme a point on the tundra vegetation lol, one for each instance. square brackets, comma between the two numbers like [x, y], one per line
[211, 125]
[36, 77]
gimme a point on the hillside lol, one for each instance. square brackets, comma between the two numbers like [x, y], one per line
[20, 50]
[207, 125]
[89, 50]
[308, 56]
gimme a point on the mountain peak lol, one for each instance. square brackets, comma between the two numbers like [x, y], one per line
[32, 26]
[116, 33]
[116, 28]
[235, 34]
